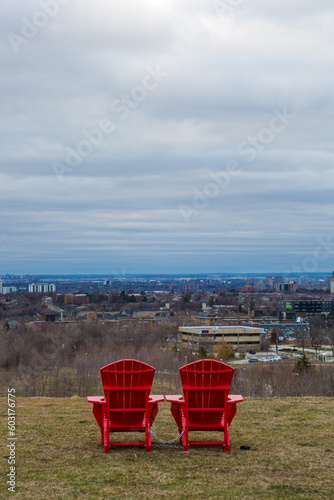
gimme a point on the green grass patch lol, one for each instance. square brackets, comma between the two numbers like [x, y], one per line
[59, 455]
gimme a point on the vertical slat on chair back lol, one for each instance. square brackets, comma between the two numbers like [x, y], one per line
[127, 384]
[206, 384]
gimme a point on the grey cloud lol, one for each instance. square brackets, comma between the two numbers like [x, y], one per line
[226, 75]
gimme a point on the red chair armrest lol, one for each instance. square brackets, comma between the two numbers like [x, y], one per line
[175, 398]
[234, 398]
[96, 400]
[155, 399]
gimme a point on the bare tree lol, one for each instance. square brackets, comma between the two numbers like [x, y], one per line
[330, 332]
[317, 332]
[301, 336]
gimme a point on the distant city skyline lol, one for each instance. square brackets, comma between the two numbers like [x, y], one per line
[166, 137]
[214, 276]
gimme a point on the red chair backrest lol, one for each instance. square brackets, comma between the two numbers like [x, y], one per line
[206, 384]
[127, 384]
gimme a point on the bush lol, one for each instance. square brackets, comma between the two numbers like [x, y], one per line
[224, 352]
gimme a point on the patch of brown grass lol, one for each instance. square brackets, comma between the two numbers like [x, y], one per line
[59, 454]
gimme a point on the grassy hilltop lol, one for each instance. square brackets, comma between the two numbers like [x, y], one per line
[59, 454]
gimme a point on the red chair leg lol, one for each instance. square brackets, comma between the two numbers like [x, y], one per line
[106, 435]
[148, 442]
[185, 440]
[227, 444]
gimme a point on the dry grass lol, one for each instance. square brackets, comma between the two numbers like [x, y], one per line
[59, 455]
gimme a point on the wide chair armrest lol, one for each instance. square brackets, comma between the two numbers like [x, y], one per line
[99, 400]
[232, 401]
[175, 398]
[234, 398]
[155, 399]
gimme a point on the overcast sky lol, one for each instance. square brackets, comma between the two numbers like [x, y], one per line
[166, 136]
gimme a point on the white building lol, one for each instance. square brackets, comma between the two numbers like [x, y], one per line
[331, 284]
[42, 287]
[0, 286]
[8, 289]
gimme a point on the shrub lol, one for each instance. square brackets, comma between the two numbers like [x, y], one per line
[202, 353]
[302, 365]
[225, 352]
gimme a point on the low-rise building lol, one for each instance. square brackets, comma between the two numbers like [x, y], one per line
[77, 298]
[209, 320]
[290, 287]
[290, 308]
[8, 289]
[145, 321]
[210, 336]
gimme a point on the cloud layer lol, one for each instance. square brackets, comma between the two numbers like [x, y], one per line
[118, 116]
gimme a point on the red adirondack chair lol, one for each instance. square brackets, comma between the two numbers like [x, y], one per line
[127, 405]
[206, 405]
